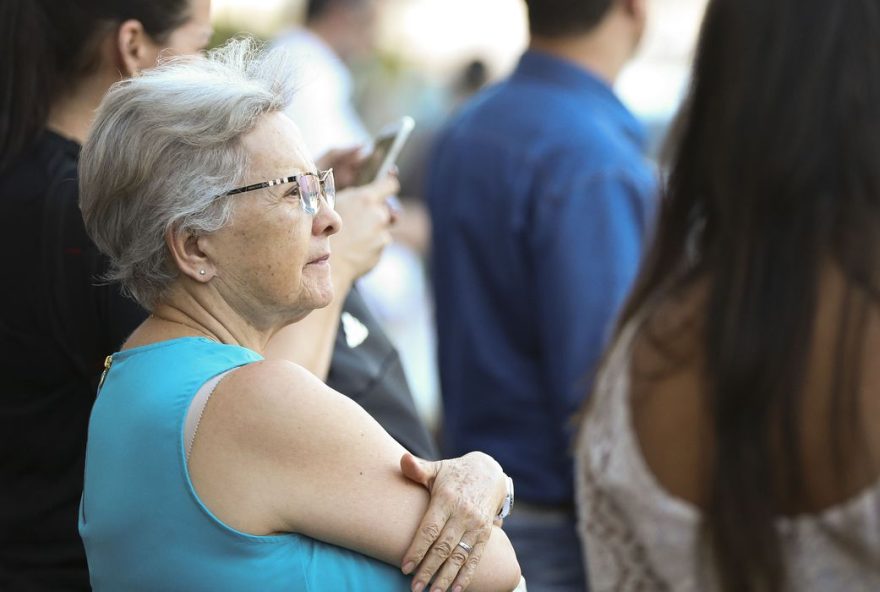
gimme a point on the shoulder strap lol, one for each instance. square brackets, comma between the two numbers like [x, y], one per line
[197, 408]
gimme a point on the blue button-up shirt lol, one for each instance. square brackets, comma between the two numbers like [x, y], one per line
[541, 199]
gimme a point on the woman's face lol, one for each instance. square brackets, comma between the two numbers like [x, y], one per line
[272, 259]
[189, 38]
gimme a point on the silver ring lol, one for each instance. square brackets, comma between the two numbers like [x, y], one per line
[467, 548]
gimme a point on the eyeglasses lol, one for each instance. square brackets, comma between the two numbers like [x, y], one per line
[310, 187]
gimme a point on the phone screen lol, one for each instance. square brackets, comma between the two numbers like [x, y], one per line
[371, 167]
[386, 147]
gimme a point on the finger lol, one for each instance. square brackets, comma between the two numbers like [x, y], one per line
[429, 530]
[387, 239]
[442, 549]
[387, 217]
[377, 222]
[339, 157]
[384, 187]
[394, 206]
[465, 572]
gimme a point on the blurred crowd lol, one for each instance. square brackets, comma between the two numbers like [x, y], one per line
[562, 345]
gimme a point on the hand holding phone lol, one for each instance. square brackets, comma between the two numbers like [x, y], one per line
[385, 149]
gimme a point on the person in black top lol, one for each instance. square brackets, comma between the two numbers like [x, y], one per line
[370, 373]
[57, 322]
[58, 319]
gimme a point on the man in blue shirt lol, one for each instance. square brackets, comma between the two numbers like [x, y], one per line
[541, 200]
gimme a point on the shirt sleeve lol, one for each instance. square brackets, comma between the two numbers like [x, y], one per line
[588, 238]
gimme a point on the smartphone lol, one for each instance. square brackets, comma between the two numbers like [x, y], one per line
[385, 149]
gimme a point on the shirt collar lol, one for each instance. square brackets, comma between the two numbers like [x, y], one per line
[550, 69]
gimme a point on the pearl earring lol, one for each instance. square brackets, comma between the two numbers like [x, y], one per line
[201, 272]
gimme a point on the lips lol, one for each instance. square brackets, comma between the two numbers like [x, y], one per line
[320, 259]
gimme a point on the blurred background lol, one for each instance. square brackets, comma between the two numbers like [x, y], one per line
[430, 56]
[424, 47]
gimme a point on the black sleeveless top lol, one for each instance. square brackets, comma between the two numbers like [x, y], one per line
[57, 322]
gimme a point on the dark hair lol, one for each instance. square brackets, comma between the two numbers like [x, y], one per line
[46, 46]
[315, 9]
[775, 173]
[561, 18]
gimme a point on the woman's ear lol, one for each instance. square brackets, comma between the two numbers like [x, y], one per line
[188, 256]
[135, 51]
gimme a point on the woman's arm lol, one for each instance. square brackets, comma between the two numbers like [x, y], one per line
[324, 467]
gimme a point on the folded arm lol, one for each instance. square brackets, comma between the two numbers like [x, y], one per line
[326, 469]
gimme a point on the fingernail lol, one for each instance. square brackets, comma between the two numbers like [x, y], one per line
[408, 567]
[417, 587]
[457, 588]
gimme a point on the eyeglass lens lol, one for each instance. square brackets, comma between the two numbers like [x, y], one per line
[310, 191]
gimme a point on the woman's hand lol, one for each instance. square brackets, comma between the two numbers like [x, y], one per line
[466, 494]
[346, 164]
[366, 225]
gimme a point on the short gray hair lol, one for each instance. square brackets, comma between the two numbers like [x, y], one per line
[164, 146]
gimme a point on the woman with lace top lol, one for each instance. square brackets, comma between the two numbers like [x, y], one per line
[733, 438]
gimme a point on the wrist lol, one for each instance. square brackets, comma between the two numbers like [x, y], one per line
[502, 484]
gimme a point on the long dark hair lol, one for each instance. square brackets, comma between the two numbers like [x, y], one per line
[774, 174]
[48, 46]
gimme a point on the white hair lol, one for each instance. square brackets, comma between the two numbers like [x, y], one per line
[164, 148]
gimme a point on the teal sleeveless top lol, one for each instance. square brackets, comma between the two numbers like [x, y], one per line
[142, 523]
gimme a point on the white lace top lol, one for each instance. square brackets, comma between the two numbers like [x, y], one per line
[637, 536]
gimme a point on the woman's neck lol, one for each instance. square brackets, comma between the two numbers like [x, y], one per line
[168, 322]
[72, 113]
[201, 311]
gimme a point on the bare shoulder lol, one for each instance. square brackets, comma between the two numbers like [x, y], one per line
[271, 438]
[281, 451]
[268, 376]
[276, 402]
[669, 413]
[244, 423]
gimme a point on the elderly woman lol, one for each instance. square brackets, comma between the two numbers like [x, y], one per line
[209, 467]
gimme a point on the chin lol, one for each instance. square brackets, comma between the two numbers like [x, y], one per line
[326, 300]
[323, 297]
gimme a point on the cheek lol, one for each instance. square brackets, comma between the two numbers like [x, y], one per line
[268, 254]
[183, 42]
[285, 251]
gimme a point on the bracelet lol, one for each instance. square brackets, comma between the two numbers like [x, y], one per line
[507, 505]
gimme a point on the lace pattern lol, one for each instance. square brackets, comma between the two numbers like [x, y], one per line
[638, 537]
